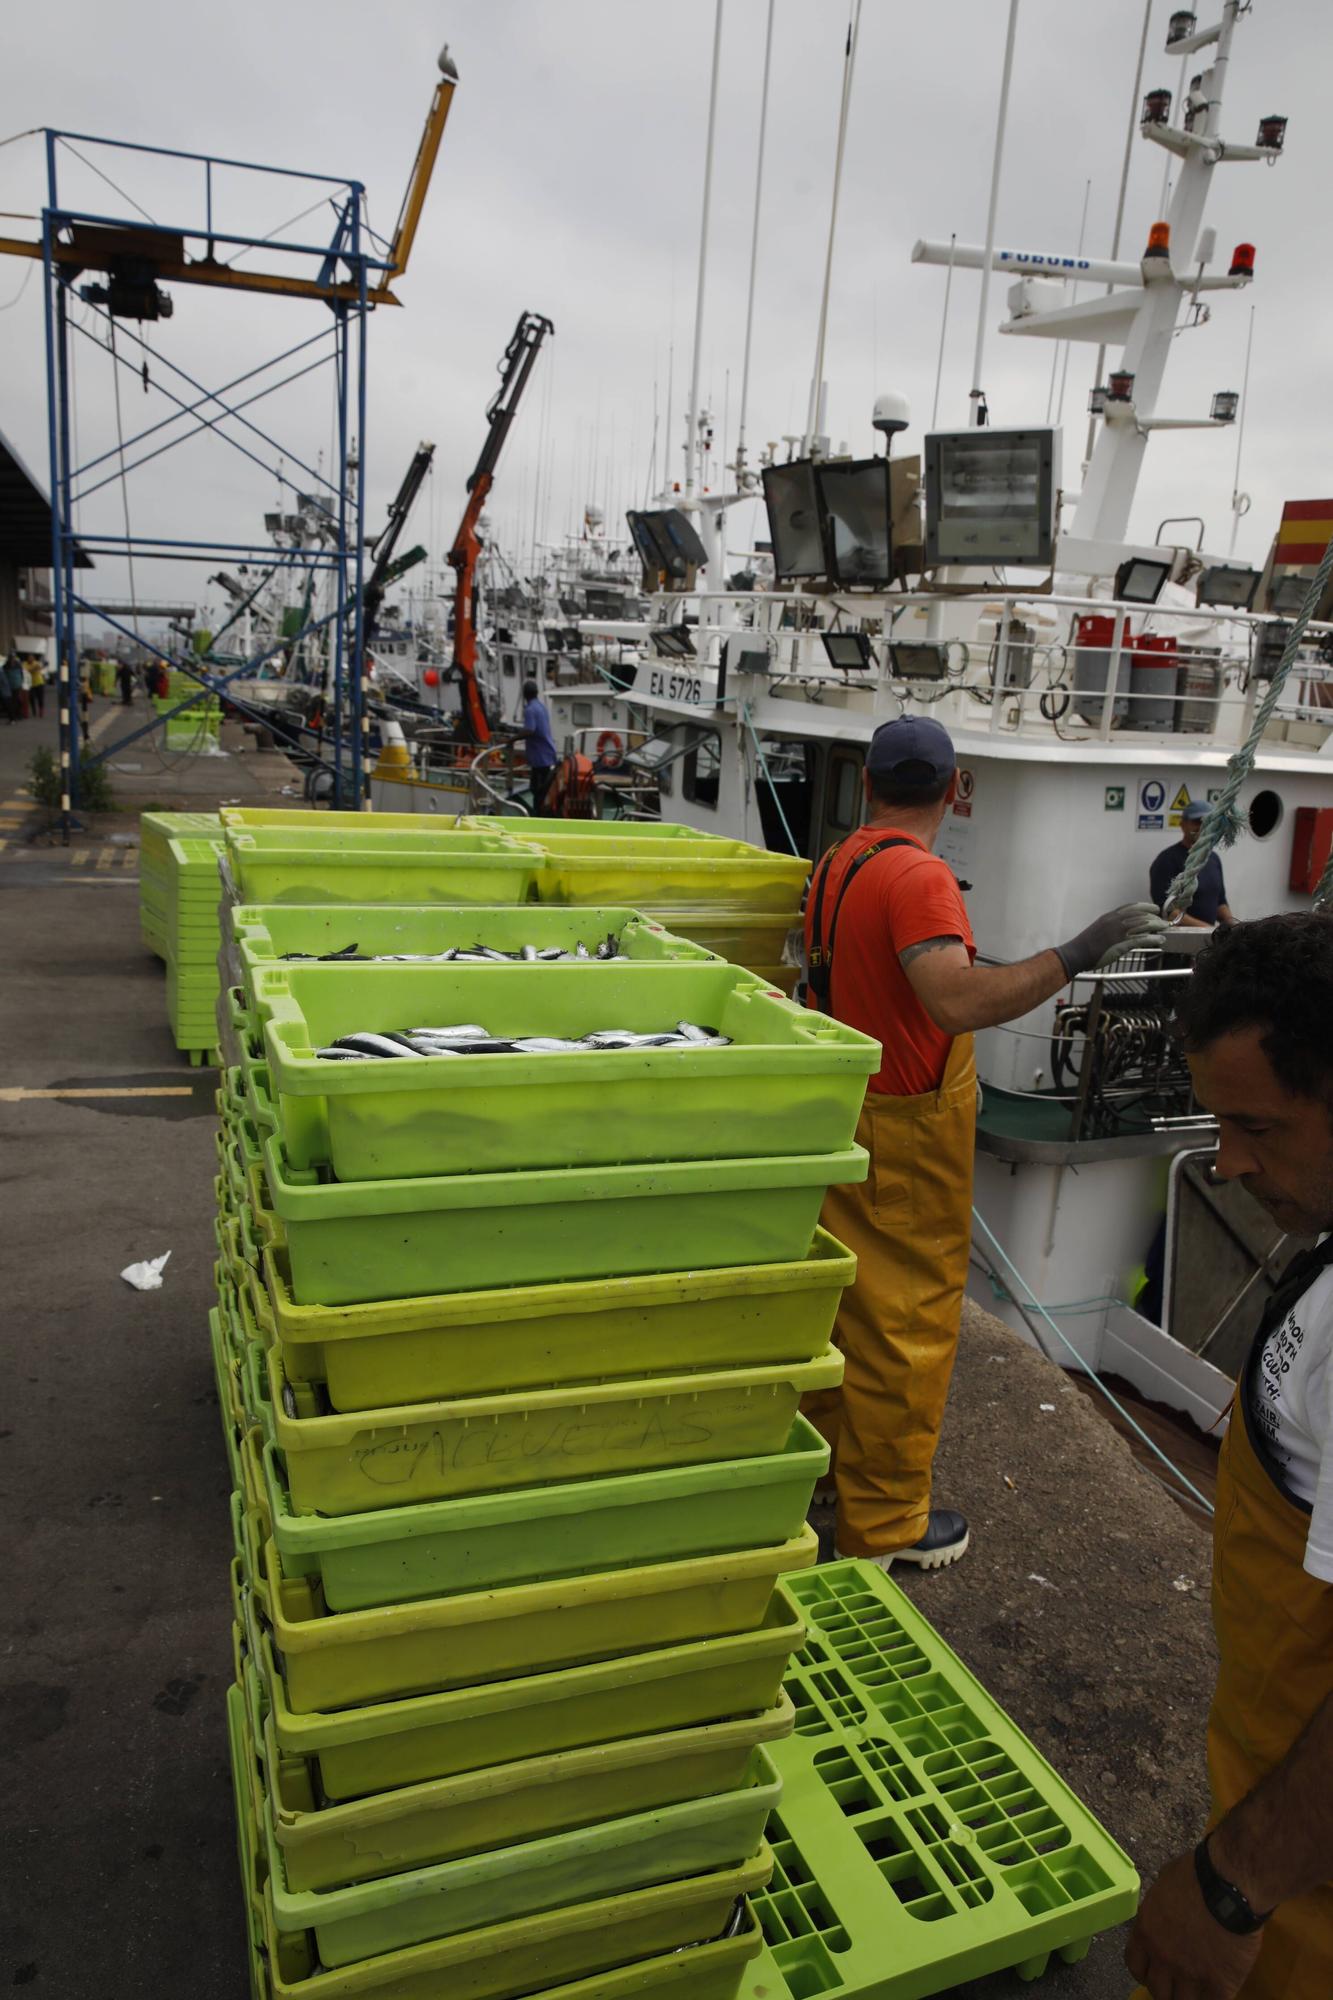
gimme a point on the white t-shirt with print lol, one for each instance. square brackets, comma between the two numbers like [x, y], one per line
[1291, 1401]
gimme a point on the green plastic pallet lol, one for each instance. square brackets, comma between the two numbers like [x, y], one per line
[922, 1840]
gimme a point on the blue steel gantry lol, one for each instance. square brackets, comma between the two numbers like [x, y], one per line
[348, 275]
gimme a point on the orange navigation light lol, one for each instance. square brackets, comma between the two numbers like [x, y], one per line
[1159, 240]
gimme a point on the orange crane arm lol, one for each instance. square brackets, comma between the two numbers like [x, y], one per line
[515, 367]
[463, 557]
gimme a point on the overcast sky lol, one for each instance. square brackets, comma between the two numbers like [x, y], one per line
[569, 182]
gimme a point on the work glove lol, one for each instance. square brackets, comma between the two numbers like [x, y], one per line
[1108, 937]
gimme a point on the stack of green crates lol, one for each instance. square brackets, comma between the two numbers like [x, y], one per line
[156, 874]
[516, 1473]
[194, 728]
[738, 901]
[192, 945]
[178, 919]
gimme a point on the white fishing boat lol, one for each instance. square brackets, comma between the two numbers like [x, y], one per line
[1092, 686]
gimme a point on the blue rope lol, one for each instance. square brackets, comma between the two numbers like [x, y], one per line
[768, 777]
[1088, 1369]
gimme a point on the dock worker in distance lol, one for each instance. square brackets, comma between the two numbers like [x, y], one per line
[1249, 1911]
[1210, 904]
[538, 744]
[890, 951]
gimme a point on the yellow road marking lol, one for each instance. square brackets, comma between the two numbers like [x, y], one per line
[105, 856]
[16, 1093]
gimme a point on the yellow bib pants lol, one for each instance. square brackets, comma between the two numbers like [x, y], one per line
[910, 1225]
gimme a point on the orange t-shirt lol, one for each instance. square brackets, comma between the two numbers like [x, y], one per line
[900, 898]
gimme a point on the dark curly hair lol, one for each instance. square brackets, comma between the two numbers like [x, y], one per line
[1275, 975]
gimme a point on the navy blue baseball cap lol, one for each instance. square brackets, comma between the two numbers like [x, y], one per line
[1194, 809]
[914, 741]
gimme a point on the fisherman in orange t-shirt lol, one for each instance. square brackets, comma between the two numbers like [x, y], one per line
[890, 951]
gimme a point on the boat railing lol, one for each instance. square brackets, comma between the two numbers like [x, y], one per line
[481, 792]
[1084, 669]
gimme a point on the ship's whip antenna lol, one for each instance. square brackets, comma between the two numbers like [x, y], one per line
[848, 69]
[754, 247]
[976, 394]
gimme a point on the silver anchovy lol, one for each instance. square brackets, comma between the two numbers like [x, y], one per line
[342, 1055]
[544, 1045]
[366, 1043]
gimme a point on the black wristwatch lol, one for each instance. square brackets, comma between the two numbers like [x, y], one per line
[1225, 1903]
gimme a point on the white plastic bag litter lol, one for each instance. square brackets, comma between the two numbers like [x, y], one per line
[146, 1277]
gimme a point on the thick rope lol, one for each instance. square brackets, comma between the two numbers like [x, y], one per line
[1224, 821]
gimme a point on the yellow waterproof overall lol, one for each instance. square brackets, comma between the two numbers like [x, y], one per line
[910, 1225]
[1274, 1626]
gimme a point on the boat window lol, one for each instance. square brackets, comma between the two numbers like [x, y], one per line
[507, 663]
[844, 807]
[580, 713]
[1265, 814]
[700, 768]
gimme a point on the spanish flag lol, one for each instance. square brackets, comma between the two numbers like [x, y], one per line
[1303, 534]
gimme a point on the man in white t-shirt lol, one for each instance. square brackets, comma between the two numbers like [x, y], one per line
[1250, 1911]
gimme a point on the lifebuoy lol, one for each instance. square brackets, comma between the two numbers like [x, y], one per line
[610, 750]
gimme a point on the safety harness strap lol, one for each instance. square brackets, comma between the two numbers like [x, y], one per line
[820, 970]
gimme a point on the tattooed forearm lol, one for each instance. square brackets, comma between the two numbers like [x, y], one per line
[927, 944]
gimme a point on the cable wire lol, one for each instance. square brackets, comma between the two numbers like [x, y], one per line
[1086, 1366]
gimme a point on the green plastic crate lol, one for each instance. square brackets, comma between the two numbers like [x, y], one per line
[313, 865]
[922, 1840]
[362, 1240]
[711, 1971]
[386, 1833]
[377, 1746]
[525, 1535]
[346, 1464]
[616, 833]
[791, 1079]
[756, 941]
[264, 935]
[331, 1659]
[525, 1336]
[532, 1955]
[363, 1918]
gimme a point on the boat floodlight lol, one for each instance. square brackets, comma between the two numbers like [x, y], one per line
[1272, 134]
[1225, 405]
[1156, 108]
[1181, 26]
[856, 512]
[1287, 594]
[919, 660]
[1159, 240]
[1097, 400]
[849, 652]
[1120, 386]
[672, 642]
[1139, 580]
[990, 496]
[1242, 261]
[1228, 584]
[791, 498]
